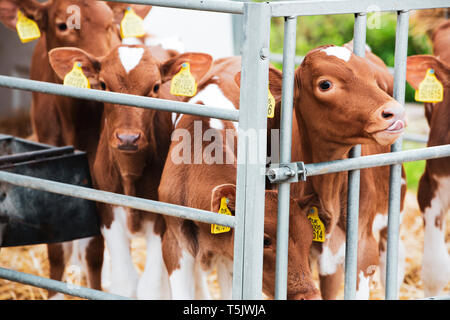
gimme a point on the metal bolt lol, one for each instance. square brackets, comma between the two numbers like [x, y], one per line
[264, 53]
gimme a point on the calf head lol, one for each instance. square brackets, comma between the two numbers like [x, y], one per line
[341, 98]
[119, 8]
[300, 283]
[129, 131]
[417, 67]
[441, 41]
[87, 24]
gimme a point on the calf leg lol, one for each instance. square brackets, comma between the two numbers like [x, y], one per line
[436, 260]
[124, 277]
[93, 258]
[382, 246]
[201, 284]
[330, 263]
[225, 277]
[368, 259]
[180, 264]
[330, 284]
[58, 256]
[154, 281]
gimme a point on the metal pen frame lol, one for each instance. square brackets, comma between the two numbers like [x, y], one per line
[249, 219]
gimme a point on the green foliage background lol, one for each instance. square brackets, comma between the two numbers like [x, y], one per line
[313, 31]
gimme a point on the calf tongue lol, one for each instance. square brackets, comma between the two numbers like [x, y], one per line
[396, 126]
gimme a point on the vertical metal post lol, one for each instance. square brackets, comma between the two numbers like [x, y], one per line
[290, 32]
[401, 51]
[237, 20]
[250, 193]
[351, 248]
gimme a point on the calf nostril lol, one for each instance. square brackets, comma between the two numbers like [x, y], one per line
[386, 114]
[135, 137]
[128, 138]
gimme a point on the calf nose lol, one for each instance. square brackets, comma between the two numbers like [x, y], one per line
[393, 111]
[128, 140]
[314, 295]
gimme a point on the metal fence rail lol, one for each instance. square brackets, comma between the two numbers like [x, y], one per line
[249, 216]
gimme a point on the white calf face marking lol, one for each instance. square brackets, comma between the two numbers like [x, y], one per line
[130, 57]
[363, 292]
[328, 261]
[339, 52]
[131, 41]
[216, 124]
[212, 95]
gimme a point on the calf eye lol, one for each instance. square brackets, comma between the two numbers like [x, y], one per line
[62, 26]
[103, 85]
[267, 242]
[325, 85]
[156, 88]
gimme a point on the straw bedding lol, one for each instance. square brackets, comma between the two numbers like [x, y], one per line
[33, 259]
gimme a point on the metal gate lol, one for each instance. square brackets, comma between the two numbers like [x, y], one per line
[249, 227]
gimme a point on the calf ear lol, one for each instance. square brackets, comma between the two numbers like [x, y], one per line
[417, 67]
[224, 190]
[31, 8]
[275, 81]
[200, 64]
[119, 8]
[62, 61]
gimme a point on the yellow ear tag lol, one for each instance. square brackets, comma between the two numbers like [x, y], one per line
[317, 224]
[132, 26]
[183, 83]
[76, 78]
[271, 106]
[27, 29]
[430, 89]
[215, 229]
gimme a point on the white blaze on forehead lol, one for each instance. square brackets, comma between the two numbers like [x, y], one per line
[339, 52]
[212, 95]
[130, 57]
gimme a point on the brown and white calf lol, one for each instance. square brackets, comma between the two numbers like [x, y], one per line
[341, 100]
[190, 250]
[433, 194]
[57, 120]
[131, 153]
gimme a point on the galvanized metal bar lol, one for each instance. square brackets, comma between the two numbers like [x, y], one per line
[401, 51]
[250, 193]
[27, 156]
[200, 5]
[119, 98]
[58, 286]
[117, 199]
[327, 7]
[377, 160]
[351, 248]
[415, 137]
[276, 57]
[284, 189]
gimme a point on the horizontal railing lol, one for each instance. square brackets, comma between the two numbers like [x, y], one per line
[329, 7]
[117, 199]
[235, 7]
[119, 98]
